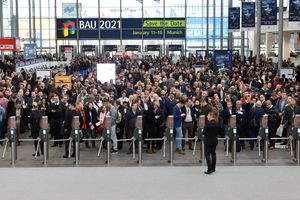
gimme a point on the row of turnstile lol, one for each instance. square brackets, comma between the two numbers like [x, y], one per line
[168, 139]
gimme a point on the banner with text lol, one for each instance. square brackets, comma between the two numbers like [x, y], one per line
[268, 12]
[234, 18]
[110, 28]
[222, 60]
[29, 51]
[294, 11]
[248, 14]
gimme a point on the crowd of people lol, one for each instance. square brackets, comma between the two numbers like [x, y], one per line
[153, 87]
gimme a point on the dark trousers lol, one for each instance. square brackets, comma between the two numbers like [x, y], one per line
[272, 133]
[210, 154]
[55, 128]
[187, 126]
[120, 133]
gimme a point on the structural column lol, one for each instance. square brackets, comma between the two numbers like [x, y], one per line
[30, 18]
[230, 34]
[1, 25]
[269, 43]
[286, 45]
[258, 31]
[280, 32]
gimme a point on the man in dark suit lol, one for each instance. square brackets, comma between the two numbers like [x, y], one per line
[34, 119]
[56, 120]
[211, 131]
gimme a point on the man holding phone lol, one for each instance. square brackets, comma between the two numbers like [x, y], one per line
[178, 115]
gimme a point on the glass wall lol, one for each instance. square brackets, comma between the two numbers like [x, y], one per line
[206, 21]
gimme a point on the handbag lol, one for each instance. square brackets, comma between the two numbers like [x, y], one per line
[279, 130]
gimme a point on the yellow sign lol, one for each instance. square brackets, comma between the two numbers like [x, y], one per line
[65, 80]
[157, 23]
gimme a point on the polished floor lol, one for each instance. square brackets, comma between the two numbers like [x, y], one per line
[151, 183]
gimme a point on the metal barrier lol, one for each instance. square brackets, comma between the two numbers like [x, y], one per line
[264, 134]
[296, 137]
[139, 136]
[169, 135]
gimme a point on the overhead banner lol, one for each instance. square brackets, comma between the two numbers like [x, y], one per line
[269, 12]
[294, 11]
[234, 18]
[222, 60]
[110, 28]
[9, 44]
[29, 51]
[248, 15]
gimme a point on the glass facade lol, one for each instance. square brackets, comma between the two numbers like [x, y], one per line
[206, 21]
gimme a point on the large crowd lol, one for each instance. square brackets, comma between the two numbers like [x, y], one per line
[153, 87]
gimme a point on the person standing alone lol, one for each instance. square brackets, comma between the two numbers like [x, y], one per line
[211, 131]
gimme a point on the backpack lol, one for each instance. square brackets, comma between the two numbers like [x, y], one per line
[119, 117]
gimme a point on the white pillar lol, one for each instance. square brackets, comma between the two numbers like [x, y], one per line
[286, 45]
[269, 43]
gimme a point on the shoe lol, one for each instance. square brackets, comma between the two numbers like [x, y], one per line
[283, 143]
[73, 155]
[54, 145]
[36, 154]
[190, 148]
[181, 152]
[60, 145]
[213, 170]
[65, 156]
[114, 151]
[208, 172]
[153, 151]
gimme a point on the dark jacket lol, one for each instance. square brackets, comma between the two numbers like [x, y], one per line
[211, 131]
[34, 119]
[56, 111]
[288, 115]
[70, 114]
[91, 117]
[227, 115]
[183, 110]
[130, 119]
[273, 116]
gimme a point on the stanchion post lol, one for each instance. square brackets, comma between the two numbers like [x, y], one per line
[44, 136]
[107, 137]
[232, 133]
[201, 124]
[296, 139]
[139, 136]
[264, 134]
[12, 131]
[169, 134]
[75, 135]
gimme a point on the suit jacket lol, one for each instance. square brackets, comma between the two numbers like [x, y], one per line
[288, 115]
[227, 115]
[183, 110]
[211, 131]
[177, 117]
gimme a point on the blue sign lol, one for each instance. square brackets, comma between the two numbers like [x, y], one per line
[268, 12]
[234, 18]
[222, 60]
[29, 51]
[114, 28]
[248, 14]
[294, 11]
